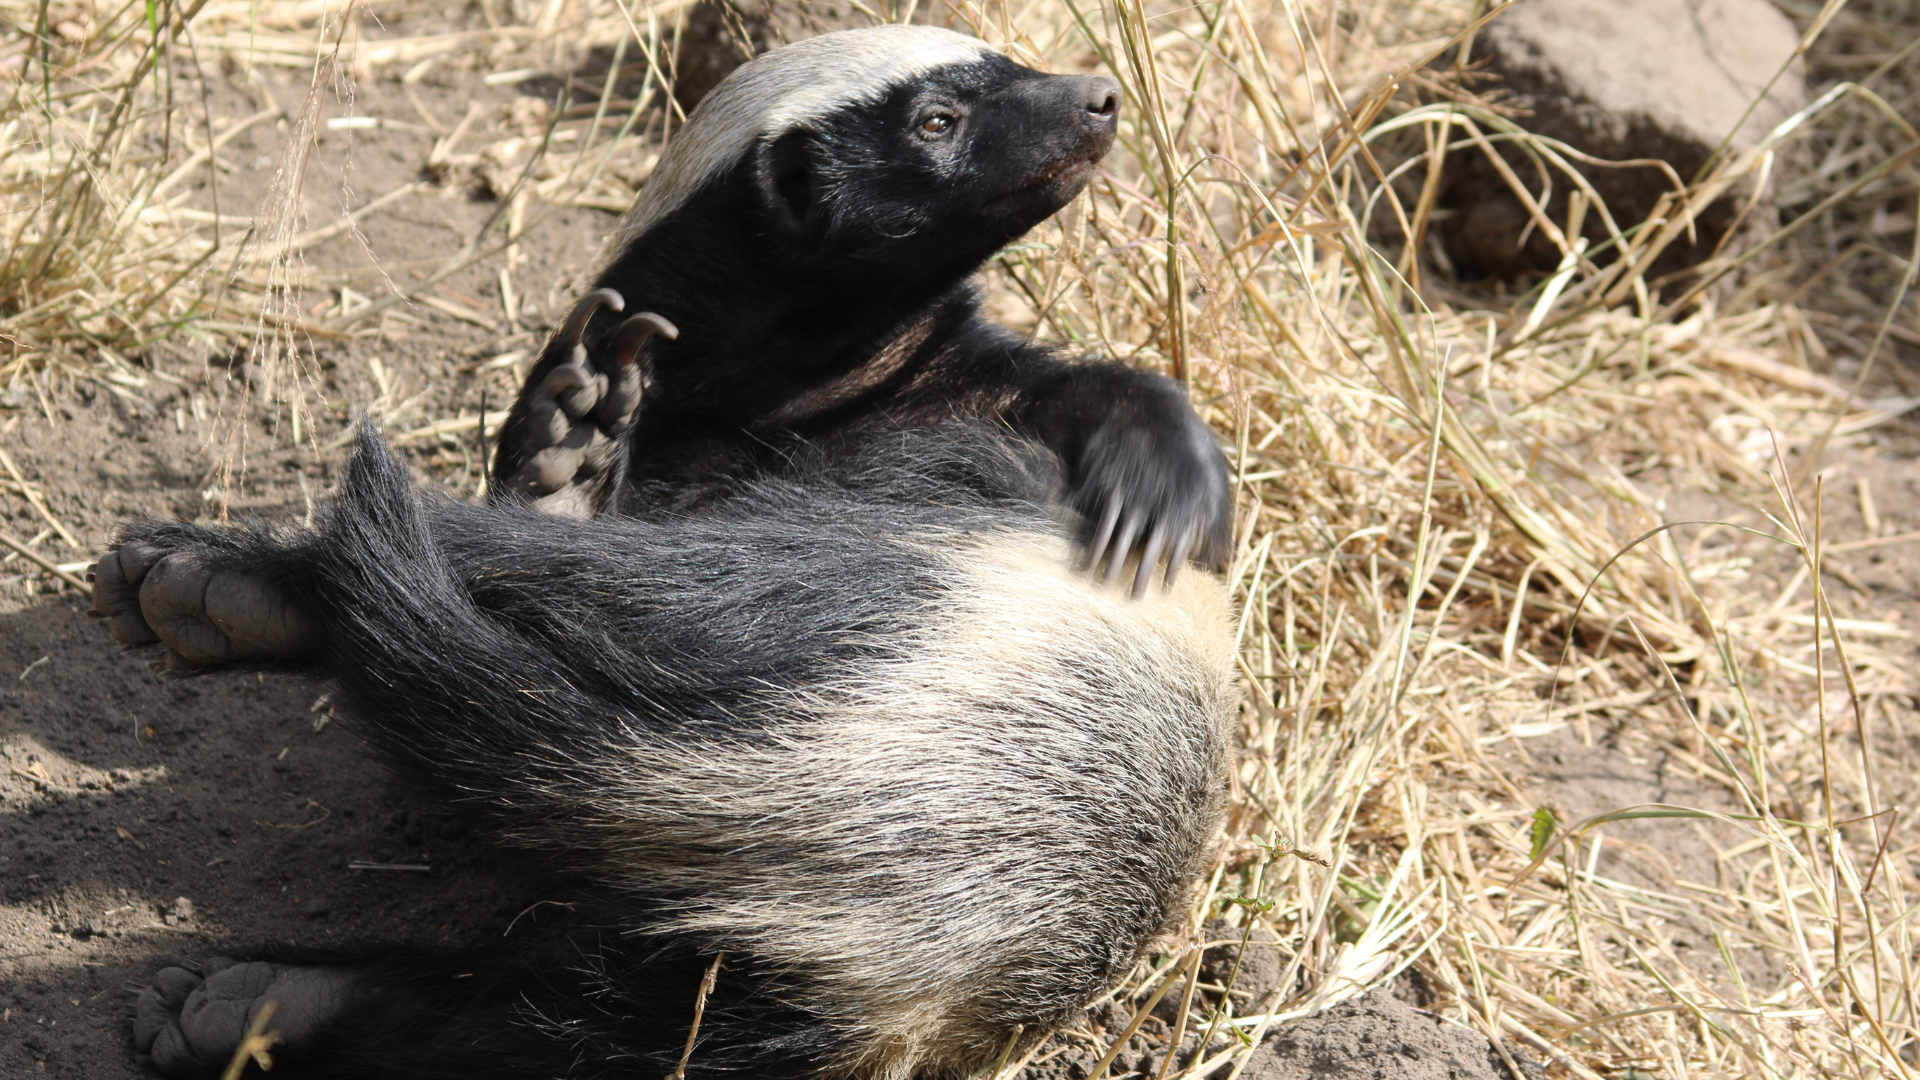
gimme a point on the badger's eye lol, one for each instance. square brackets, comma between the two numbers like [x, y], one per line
[937, 124]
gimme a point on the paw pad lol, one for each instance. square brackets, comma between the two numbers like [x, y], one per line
[188, 1024]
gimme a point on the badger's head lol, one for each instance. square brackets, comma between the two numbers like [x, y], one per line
[882, 152]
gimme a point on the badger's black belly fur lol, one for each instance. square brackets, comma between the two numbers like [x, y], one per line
[864, 735]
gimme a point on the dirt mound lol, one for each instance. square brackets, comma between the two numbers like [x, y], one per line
[1379, 1037]
[1623, 81]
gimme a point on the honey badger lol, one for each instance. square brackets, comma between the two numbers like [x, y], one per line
[865, 777]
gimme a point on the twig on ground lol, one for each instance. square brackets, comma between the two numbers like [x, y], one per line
[43, 562]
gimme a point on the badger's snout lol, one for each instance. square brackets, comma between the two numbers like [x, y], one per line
[1055, 129]
[1071, 116]
[1094, 100]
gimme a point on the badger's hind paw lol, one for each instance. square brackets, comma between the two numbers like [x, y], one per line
[150, 592]
[190, 1024]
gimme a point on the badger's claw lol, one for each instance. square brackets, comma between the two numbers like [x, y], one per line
[1162, 491]
[572, 418]
[189, 1024]
[150, 592]
[574, 330]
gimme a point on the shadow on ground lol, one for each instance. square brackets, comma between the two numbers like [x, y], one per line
[145, 819]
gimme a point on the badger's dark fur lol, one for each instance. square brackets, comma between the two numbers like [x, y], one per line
[827, 714]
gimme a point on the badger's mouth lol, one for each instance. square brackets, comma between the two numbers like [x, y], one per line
[1071, 173]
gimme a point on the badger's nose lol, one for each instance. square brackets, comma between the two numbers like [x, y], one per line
[1100, 96]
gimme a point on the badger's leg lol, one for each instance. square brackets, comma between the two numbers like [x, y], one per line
[1146, 473]
[493, 706]
[563, 1004]
[203, 612]
[191, 1021]
[563, 444]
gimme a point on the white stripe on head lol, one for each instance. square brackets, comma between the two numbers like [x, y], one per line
[783, 89]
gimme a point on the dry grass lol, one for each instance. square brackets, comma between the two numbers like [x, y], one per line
[1480, 462]
[108, 252]
[90, 149]
[1452, 539]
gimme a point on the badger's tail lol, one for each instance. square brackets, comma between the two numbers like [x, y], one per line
[454, 694]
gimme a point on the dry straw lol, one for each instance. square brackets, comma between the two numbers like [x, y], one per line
[1452, 544]
[90, 148]
[1492, 462]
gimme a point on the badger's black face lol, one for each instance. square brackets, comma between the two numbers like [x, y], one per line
[939, 174]
[861, 203]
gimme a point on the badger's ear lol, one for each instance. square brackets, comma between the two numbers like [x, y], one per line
[789, 180]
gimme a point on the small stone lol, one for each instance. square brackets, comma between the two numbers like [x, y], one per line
[316, 908]
[181, 910]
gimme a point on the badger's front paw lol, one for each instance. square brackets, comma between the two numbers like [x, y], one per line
[190, 1023]
[1159, 486]
[566, 430]
[150, 592]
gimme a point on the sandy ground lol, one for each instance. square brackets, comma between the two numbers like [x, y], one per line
[145, 819]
